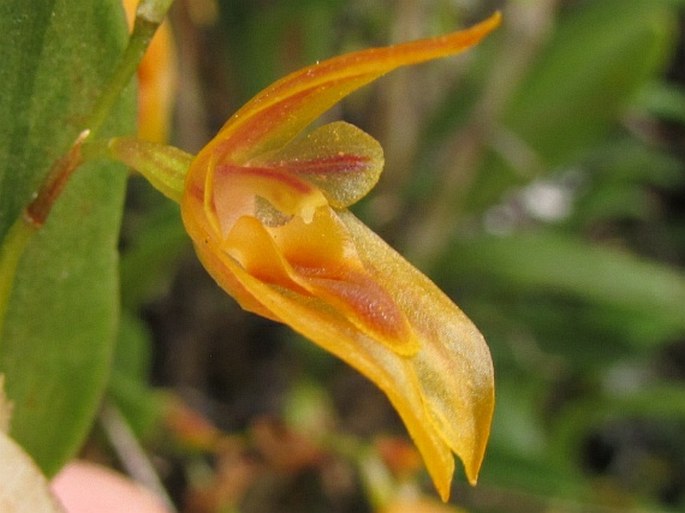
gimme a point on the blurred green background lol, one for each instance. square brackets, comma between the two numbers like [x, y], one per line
[538, 179]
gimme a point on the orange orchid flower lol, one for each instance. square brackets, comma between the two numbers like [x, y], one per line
[266, 207]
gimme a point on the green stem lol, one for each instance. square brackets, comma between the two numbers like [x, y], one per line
[149, 16]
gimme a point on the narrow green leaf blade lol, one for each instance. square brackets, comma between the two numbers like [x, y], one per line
[599, 56]
[595, 63]
[562, 264]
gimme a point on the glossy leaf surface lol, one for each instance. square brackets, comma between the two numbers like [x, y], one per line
[62, 315]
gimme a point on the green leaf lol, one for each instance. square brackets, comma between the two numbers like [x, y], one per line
[60, 323]
[597, 59]
[607, 277]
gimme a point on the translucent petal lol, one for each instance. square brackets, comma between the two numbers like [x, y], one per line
[319, 260]
[278, 113]
[444, 392]
[454, 365]
[236, 189]
[343, 161]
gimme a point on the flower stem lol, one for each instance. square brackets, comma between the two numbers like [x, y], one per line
[165, 167]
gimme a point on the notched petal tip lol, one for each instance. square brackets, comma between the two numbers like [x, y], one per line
[452, 373]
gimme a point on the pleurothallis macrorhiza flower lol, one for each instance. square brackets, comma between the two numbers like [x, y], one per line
[266, 207]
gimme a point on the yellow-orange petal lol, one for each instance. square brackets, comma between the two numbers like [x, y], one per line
[236, 190]
[318, 261]
[454, 364]
[444, 393]
[343, 161]
[279, 112]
